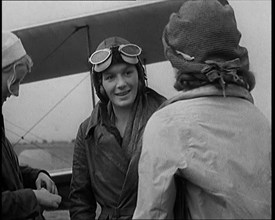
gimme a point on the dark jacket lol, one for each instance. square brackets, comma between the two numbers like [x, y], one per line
[105, 165]
[18, 199]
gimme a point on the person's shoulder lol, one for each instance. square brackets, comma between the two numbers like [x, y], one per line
[151, 93]
[172, 115]
[85, 122]
[159, 118]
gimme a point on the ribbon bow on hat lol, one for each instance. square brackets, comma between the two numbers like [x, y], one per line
[223, 71]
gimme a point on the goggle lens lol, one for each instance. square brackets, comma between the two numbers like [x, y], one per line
[130, 50]
[129, 53]
[99, 56]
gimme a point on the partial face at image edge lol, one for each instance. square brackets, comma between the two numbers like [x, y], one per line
[12, 76]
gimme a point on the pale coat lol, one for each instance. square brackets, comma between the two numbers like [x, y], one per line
[221, 147]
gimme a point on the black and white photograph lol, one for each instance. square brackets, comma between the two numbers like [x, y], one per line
[136, 109]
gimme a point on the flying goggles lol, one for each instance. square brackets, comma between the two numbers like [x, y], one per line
[101, 59]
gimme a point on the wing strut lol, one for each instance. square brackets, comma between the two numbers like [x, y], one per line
[89, 53]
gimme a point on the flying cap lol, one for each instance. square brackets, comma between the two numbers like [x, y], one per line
[12, 48]
[112, 42]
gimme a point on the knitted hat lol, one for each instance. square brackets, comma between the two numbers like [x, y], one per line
[12, 48]
[203, 37]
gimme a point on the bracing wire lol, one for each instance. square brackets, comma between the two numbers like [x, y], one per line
[55, 49]
[37, 146]
[52, 52]
[12, 132]
[51, 109]
[23, 129]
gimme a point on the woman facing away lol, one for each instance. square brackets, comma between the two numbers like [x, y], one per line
[206, 154]
[108, 143]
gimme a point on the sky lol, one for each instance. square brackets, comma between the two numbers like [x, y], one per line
[52, 110]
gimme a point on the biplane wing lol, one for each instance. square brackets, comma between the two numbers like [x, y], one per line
[62, 48]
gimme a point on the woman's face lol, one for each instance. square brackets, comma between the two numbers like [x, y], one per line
[120, 82]
[11, 80]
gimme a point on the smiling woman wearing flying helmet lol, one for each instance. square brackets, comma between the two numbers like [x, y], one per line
[108, 143]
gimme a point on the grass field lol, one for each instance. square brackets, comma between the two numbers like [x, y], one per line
[48, 156]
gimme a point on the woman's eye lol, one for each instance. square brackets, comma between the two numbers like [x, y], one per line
[109, 77]
[128, 73]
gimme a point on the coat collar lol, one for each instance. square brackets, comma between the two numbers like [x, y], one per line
[99, 115]
[210, 90]
[94, 119]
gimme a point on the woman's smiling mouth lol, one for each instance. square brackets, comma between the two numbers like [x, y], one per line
[123, 93]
